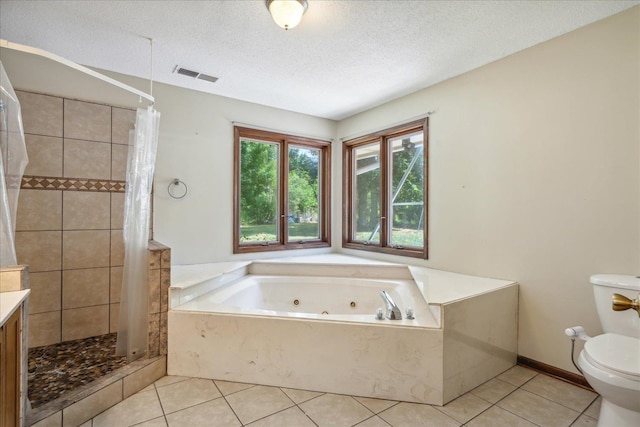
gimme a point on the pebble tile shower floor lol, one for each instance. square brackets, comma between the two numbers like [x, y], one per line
[58, 368]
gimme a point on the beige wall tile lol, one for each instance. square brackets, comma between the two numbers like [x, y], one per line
[46, 291]
[44, 329]
[116, 284]
[153, 345]
[119, 162]
[114, 317]
[86, 210]
[88, 121]
[41, 250]
[92, 405]
[87, 159]
[85, 287]
[45, 155]
[85, 322]
[117, 210]
[165, 258]
[154, 258]
[85, 249]
[39, 210]
[41, 114]
[163, 332]
[142, 378]
[165, 284]
[154, 291]
[117, 248]
[122, 121]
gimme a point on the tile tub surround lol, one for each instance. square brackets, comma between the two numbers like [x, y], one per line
[413, 364]
[69, 222]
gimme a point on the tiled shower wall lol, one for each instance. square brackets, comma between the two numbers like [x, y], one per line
[70, 215]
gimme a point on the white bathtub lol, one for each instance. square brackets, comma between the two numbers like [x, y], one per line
[340, 299]
[240, 322]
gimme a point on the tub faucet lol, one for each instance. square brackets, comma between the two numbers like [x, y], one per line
[393, 312]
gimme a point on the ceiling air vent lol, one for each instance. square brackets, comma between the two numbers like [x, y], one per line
[194, 74]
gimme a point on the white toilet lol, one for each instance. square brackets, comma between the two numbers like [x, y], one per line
[611, 361]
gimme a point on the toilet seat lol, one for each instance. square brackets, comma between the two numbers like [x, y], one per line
[616, 354]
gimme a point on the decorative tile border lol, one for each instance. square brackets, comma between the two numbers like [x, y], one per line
[72, 184]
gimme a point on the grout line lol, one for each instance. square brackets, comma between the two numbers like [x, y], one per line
[227, 402]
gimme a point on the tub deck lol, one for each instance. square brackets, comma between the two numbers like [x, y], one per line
[472, 339]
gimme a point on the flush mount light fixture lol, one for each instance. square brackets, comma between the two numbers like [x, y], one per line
[287, 13]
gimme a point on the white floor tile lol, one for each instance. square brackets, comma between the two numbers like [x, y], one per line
[465, 407]
[228, 387]
[416, 415]
[493, 390]
[214, 413]
[498, 417]
[170, 379]
[140, 407]
[156, 422]
[517, 375]
[585, 421]
[376, 405]
[374, 421]
[181, 395]
[258, 402]
[560, 392]
[299, 396]
[520, 398]
[335, 410]
[593, 410]
[292, 417]
[538, 410]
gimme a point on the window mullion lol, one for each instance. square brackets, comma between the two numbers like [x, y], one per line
[284, 193]
[384, 193]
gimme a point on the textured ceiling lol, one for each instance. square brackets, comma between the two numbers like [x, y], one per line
[343, 58]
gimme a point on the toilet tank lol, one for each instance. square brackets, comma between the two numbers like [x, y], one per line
[617, 322]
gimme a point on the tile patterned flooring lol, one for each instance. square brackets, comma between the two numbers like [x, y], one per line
[518, 397]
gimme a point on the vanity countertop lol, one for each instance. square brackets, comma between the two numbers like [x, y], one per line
[9, 302]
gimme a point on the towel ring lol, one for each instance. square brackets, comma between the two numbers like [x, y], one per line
[176, 183]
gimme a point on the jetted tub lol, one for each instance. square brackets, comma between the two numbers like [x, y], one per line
[310, 324]
[340, 299]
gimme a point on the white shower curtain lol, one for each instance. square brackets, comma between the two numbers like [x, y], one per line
[13, 160]
[133, 321]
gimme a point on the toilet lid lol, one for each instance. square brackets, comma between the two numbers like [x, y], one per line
[616, 352]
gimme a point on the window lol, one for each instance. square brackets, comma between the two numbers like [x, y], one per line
[385, 191]
[281, 191]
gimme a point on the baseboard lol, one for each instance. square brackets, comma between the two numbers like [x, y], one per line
[570, 377]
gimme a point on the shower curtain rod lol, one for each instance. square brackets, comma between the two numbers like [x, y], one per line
[78, 67]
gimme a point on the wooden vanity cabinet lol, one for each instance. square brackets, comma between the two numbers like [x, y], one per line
[10, 359]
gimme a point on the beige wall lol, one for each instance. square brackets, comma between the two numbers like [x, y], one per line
[534, 173]
[195, 145]
[534, 168]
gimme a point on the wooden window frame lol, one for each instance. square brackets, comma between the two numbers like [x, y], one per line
[382, 137]
[324, 211]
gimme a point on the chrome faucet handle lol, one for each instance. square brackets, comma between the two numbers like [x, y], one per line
[379, 314]
[393, 312]
[410, 314]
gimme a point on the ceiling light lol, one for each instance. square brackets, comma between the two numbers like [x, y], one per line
[287, 13]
